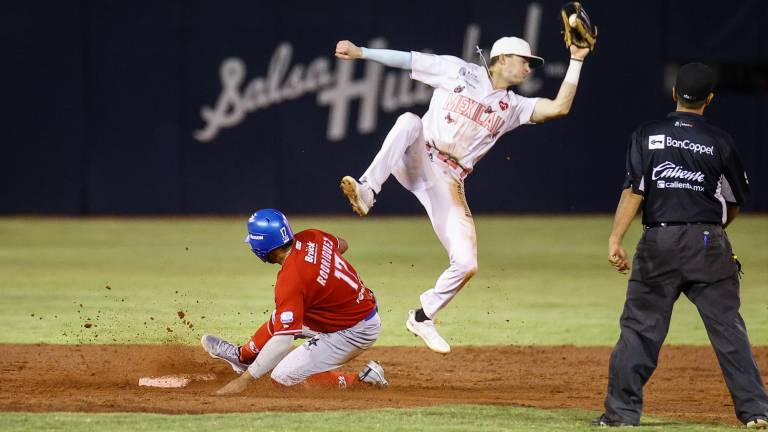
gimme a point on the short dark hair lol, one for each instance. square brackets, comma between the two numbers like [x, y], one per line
[273, 253]
[689, 104]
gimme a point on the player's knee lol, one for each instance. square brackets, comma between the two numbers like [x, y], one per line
[283, 379]
[409, 120]
[466, 268]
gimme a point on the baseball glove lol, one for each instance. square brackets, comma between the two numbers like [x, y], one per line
[577, 28]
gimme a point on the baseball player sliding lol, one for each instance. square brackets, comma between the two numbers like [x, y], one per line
[318, 295]
[471, 108]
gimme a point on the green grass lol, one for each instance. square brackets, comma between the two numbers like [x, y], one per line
[542, 280]
[457, 418]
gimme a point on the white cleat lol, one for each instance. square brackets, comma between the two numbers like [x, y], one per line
[360, 196]
[757, 423]
[218, 348]
[373, 374]
[427, 331]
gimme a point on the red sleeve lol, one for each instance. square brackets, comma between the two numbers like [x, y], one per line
[289, 303]
[250, 350]
[262, 335]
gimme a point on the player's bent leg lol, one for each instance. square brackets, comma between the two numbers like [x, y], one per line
[449, 283]
[454, 226]
[460, 240]
[327, 352]
[390, 159]
[406, 131]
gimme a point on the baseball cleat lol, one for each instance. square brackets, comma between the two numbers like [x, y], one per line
[373, 374]
[221, 349]
[360, 196]
[757, 423]
[603, 421]
[427, 331]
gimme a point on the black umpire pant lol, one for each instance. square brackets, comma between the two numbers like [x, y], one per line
[695, 260]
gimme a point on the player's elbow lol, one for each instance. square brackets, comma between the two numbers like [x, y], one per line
[283, 378]
[470, 272]
[560, 110]
[552, 111]
[280, 381]
[409, 120]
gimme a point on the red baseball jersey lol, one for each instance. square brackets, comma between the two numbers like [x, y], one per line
[318, 288]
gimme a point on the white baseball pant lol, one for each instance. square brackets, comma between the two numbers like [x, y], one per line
[440, 190]
[326, 351]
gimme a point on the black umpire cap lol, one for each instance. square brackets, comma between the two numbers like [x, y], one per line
[695, 81]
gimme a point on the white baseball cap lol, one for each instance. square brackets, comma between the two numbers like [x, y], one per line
[516, 46]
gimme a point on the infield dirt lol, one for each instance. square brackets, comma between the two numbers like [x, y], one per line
[688, 384]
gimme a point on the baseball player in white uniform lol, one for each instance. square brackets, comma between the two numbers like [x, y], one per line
[471, 107]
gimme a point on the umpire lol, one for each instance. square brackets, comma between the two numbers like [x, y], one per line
[687, 177]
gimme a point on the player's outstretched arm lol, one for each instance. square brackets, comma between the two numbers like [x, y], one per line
[348, 51]
[550, 109]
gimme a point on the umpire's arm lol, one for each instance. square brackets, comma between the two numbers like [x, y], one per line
[629, 203]
[730, 215]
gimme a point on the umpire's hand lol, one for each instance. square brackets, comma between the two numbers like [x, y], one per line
[617, 256]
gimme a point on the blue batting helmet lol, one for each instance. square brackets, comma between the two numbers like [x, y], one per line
[268, 230]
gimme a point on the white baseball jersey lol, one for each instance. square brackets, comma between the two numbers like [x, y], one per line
[465, 118]
[466, 114]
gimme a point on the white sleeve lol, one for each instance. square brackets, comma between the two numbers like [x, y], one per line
[274, 350]
[436, 70]
[391, 58]
[522, 111]
[525, 107]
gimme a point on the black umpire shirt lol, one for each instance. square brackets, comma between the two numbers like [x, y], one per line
[686, 170]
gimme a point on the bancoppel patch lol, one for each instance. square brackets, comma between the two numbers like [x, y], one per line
[656, 142]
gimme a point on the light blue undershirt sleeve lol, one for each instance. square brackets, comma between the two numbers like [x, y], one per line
[391, 58]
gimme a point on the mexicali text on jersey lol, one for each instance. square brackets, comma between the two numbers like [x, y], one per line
[466, 114]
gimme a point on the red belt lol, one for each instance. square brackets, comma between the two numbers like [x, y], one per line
[449, 160]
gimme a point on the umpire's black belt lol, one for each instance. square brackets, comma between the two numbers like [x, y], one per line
[667, 224]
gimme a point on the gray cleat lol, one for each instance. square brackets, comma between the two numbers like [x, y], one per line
[373, 374]
[221, 349]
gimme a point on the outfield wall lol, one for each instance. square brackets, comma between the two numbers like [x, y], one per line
[196, 107]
